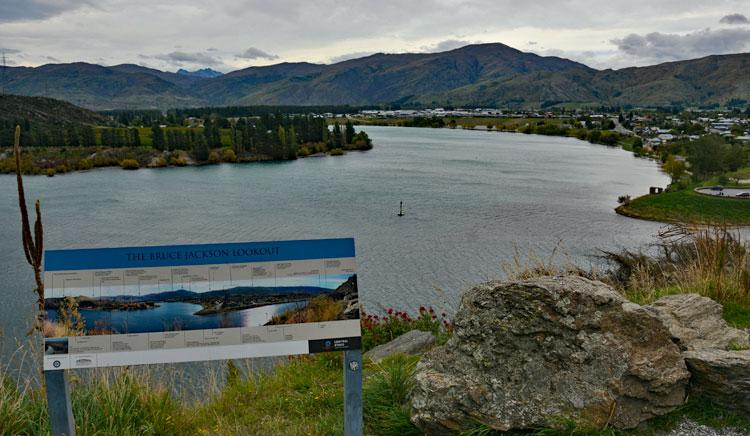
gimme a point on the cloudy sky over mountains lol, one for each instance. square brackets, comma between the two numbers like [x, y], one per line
[232, 34]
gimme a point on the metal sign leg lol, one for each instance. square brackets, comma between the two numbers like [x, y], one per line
[59, 405]
[353, 393]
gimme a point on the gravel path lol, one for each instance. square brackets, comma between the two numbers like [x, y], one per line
[690, 428]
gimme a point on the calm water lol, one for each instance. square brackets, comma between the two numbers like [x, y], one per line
[470, 198]
[179, 316]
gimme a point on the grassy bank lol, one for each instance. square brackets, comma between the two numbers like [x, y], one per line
[304, 395]
[301, 396]
[687, 206]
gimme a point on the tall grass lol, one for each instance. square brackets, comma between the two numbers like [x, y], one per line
[711, 261]
[387, 396]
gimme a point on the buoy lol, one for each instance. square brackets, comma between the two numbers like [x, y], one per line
[400, 208]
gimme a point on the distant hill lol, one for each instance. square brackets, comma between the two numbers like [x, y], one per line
[97, 87]
[182, 294]
[207, 73]
[475, 75]
[44, 111]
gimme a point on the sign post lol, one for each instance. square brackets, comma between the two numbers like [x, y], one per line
[59, 404]
[353, 425]
[186, 303]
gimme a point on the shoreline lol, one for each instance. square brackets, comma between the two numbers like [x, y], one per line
[111, 157]
[687, 210]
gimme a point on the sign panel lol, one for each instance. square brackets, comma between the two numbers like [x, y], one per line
[143, 305]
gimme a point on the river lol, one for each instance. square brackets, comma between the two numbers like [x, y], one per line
[472, 199]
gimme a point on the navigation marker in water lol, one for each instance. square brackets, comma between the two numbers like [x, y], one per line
[400, 208]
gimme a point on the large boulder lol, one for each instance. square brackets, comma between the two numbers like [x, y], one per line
[413, 342]
[533, 353]
[719, 372]
[721, 376]
[696, 323]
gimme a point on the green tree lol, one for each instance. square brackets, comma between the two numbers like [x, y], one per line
[675, 168]
[157, 137]
[349, 133]
[336, 138]
[709, 155]
[135, 138]
[200, 149]
[292, 144]
[88, 137]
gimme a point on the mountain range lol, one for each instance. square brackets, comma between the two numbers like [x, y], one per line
[489, 75]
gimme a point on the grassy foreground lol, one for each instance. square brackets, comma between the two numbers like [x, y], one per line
[304, 395]
[301, 397]
[687, 206]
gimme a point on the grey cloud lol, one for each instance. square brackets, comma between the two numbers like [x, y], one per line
[447, 45]
[349, 56]
[52, 58]
[5, 50]
[212, 49]
[20, 10]
[256, 53]
[734, 19]
[662, 47]
[181, 57]
[532, 43]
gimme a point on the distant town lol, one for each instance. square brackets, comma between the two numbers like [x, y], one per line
[656, 127]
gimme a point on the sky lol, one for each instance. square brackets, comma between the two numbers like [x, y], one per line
[227, 35]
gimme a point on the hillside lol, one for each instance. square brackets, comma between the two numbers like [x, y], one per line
[44, 111]
[97, 87]
[475, 75]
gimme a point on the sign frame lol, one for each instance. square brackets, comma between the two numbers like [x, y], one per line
[201, 256]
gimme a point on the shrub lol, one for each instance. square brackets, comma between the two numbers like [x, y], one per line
[303, 152]
[377, 329]
[624, 199]
[51, 172]
[178, 161]
[213, 157]
[129, 164]
[321, 147]
[229, 155]
[337, 152]
[85, 164]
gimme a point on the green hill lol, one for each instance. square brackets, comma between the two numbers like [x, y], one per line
[46, 111]
[475, 75]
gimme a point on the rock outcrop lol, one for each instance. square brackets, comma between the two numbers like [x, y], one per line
[413, 342]
[529, 354]
[720, 371]
[696, 323]
[721, 376]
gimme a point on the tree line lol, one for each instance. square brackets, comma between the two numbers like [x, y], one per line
[276, 136]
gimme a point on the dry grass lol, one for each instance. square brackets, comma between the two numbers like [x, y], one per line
[524, 267]
[711, 261]
[319, 309]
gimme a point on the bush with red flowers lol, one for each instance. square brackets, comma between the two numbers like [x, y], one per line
[379, 329]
